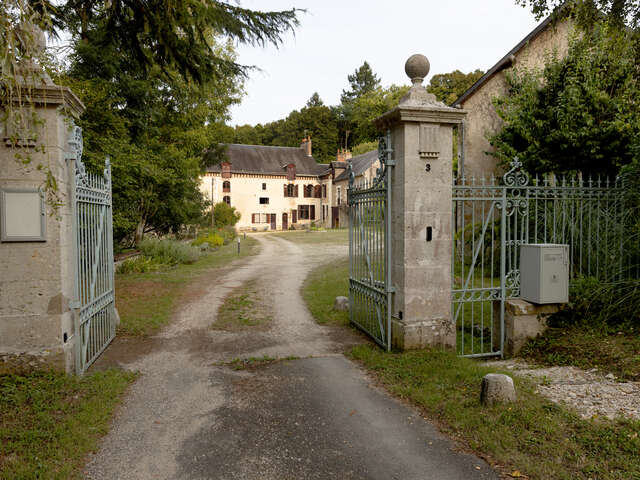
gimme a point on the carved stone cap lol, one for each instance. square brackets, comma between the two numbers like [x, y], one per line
[55, 96]
[418, 105]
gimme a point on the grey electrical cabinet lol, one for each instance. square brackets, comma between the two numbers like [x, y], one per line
[544, 273]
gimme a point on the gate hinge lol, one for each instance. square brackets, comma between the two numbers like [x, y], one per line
[391, 290]
[390, 163]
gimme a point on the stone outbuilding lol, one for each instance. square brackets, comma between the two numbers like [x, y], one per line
[549, 38]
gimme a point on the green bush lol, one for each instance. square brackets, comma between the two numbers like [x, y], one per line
[169, 252]
[228, 234]
[139, 264]
[598, 304]
[213, 239]
[225, 215]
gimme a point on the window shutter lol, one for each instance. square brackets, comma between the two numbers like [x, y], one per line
[313, 212]
[285, 190]
[295, 191]
[294, 216]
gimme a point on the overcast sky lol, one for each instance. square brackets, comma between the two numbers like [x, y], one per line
[337, 36]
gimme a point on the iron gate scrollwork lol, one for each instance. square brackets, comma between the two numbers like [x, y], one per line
[370, 250]
[94, 310]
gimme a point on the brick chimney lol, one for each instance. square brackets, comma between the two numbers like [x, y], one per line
[306, 145]
[343, 155]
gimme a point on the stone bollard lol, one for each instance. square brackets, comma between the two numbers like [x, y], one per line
[497, 388]
[341, 304]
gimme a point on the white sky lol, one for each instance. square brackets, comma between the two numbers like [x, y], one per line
[337, 36]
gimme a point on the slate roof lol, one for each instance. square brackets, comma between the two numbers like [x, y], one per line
[359, 163]
[269, 160]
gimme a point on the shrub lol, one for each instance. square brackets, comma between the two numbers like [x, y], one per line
[225, 215]
[169, 252]
[227, 233]
[213, 239]
[139, 264]
[600, 304]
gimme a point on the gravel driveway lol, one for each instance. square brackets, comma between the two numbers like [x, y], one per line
[316, 417]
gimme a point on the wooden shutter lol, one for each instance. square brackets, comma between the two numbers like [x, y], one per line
[312, 215]
[294, 216]
[295, 191]
[285, 190]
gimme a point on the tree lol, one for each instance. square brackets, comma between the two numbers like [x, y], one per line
[315, 100]
[581, 114]
[589, 12]
[448, 87]
[369, 106]
[225, 215]
[362, 81]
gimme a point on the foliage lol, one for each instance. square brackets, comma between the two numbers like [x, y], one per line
[364, 148]
[139, 264]
[581, 114]
[368, 107]
[212, 239]
[169, 36]
[599, 304]
[588, 12]
[538, 438]
[169, 252]
[448, 87]
[362, 81]
[225, 215]
[51, 421]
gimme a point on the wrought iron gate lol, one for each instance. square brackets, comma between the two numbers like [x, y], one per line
[370, 250]
[95, 316]
[491, 221]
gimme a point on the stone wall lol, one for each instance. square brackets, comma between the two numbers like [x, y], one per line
[482, 119]
[36, 278]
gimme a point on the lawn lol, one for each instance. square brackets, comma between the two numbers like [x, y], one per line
[146, 301]
[49, 422]
[321, 288]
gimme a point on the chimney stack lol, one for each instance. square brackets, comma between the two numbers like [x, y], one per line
[306, 145]
[343, 155]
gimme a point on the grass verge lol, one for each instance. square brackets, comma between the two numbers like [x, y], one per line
[242, 309]
[145, 301]
[321, 288]
[533, 436]
[49, 422]
[612, 351]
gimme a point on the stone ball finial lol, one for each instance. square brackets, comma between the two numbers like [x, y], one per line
[417, 67]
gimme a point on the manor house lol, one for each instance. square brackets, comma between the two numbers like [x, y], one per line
[281, 188]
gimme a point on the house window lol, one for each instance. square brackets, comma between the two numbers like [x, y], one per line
[290, 190]
[226, 186]
[264, 200]
[308, 191]
[324, 191]
[264, 186]
[339, 199]
[303, 212]
[227, 199]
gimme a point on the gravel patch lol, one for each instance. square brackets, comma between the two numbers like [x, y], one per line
[590, 392]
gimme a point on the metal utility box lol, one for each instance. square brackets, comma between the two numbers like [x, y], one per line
[544, 273]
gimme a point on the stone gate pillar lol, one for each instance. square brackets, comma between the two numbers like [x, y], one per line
[422, 140]
[36, 268]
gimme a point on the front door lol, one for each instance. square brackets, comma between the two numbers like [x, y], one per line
[273, 221]
[285, 221]
[335, 217]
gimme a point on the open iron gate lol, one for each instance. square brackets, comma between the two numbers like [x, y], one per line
[95, 316]
[370, 250]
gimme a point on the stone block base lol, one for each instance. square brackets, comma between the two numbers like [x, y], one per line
[26, 362]
[414, 335]
[522, 321]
